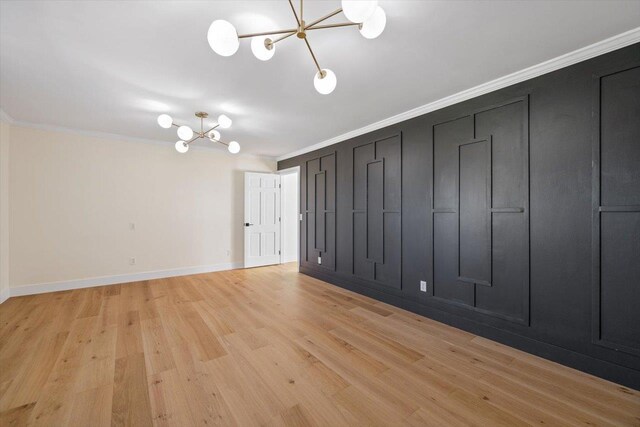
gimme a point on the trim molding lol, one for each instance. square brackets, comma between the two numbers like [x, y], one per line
[106, 135]
[4, 295]
[613, 43]
[112, 280]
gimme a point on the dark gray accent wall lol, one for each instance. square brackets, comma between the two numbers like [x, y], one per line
[519, 208]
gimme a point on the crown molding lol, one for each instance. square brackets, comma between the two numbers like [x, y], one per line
[107, 135]
[613, 43]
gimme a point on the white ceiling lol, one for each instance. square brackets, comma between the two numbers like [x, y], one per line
[113, 66]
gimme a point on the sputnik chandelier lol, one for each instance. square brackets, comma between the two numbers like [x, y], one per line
[365, 14]
[186, 134]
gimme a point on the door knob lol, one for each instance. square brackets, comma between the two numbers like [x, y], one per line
[246, 224]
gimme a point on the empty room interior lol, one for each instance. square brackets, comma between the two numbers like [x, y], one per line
[320, 213]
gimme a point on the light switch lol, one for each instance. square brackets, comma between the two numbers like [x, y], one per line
[423, 286]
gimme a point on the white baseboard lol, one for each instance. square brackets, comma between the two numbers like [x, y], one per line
[112, 280]
[4, 295]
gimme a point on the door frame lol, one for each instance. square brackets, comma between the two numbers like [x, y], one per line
[290, 171]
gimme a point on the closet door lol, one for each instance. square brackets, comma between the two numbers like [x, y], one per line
[616, 210]
[318, 198]
[481, 211]
[377, 211]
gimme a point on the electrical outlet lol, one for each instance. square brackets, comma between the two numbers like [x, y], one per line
[132, 261]
[423, 286]
[228, 252]
[319, 260]
[132, 226]
[300, 217]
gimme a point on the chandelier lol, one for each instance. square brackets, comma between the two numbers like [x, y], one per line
[186, 134]
[365, 14]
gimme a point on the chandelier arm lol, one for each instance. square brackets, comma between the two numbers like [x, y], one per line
[313, 56]
[324, 18]
[192, 139]
[217, 124]
[293, 9]
[268, 33]
[282, 37]
[343, 24]
[301, 9]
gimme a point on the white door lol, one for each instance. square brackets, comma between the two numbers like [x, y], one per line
[261, 219]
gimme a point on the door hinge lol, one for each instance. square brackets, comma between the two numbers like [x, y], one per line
[279, 185]
[279, 252]
[279, 219]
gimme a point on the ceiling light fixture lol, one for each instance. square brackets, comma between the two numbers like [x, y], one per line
[186, 134]
[365, 14]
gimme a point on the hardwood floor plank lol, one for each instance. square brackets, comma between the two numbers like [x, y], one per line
[131, 402]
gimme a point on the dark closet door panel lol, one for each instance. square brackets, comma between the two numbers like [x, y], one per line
[507, 127]
[620, 295]
[361, 266]
[508, 295]
[376, 212]
[318, 242]
[320, 223]
[475, 200]
[616, 234]
[375, 204]
[445, 261]
[620, 133]
[480, 210]
[447, 138]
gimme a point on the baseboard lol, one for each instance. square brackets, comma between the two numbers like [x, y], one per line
[4, 295]
[113, 280]
[582, 362]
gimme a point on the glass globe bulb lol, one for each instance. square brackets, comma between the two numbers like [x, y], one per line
[185, 133]
[234, 147]
[223, 38]
[374, 26]
[224, 121]
[325, 85]
[214, 135]
[181, 147]
[165, 121]
[358, 10]
[260, 49]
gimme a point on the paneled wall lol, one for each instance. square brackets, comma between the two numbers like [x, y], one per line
[318, 195]
[377, 211]
[616, 210]
[480, 210]
[519, 209]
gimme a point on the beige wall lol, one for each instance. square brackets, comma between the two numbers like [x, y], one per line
[73, 199]
[4, 209]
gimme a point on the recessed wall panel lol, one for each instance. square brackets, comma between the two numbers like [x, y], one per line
[475, 232]
[318, 241]
[616, 211]
[376, 213]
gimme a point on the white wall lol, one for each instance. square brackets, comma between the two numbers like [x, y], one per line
[4, 210]
[289, 214]
[73, 199]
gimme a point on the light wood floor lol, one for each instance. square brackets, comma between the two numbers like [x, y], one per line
[271, 346]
